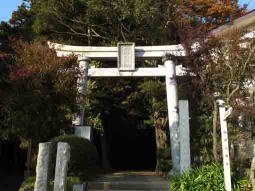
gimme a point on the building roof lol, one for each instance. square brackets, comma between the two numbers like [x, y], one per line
[246, 22]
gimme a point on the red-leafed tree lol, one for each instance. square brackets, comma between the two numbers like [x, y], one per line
[222, 65]
[42, 96]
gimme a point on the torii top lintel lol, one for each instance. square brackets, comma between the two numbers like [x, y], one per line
[111, 53]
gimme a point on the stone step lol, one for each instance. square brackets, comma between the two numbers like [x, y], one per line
[127, 185]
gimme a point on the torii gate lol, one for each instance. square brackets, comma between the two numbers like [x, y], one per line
[126, 54]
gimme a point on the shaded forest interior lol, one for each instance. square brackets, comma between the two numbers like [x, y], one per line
[12, 165]
[134, 153]
[129, 147]
[125, 108]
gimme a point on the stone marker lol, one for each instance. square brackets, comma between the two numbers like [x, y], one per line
[79, 187]
[225, 147]
[83, 131]
[63, 157]
[42, 167]
[184, 136]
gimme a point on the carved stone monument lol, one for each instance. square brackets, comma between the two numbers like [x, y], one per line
[42, 167]
[63, 157]
[185, 160]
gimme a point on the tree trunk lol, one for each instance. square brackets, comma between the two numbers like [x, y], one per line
[15, 151]
[105, 158]
[27, 172]
[214, 135]
[161, 142]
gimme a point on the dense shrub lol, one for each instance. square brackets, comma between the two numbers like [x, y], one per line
[206, 178]
[84, 156]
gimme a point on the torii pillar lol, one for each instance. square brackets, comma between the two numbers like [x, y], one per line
[173, 112]
[82, 87]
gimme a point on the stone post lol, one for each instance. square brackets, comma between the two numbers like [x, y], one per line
[79, 187]
[42, 167]
[225, 147]
[82, 86]
[173, 112]
[84, 131]
[185, 160]
[63, 157]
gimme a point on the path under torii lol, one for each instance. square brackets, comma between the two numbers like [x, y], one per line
[126, 54]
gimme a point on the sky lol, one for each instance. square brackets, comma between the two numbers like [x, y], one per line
[8, 6]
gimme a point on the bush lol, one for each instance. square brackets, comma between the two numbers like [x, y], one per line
[206, 178]
[84, 156]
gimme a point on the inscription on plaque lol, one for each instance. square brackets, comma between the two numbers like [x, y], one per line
[126, 56]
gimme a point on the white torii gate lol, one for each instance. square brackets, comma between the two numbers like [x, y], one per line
[125, 54]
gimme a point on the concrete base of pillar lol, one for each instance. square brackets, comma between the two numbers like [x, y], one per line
[173, 173]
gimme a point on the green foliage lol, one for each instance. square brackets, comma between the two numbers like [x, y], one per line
[203, 140]
[106, 99]
[21, 22]
[154, 91]
[206, 178]
[84, 156]
[98, 22]
[92, 110]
